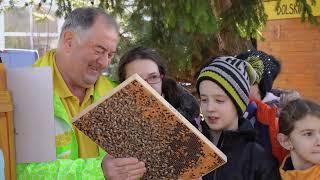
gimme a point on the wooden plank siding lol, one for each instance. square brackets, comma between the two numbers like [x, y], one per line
[297, 45]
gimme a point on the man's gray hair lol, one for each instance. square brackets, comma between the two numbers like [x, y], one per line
[82, 19]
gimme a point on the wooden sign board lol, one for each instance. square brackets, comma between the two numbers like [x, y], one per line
[135, 121]
[288, 9]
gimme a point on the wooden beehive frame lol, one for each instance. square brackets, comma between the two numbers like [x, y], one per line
[189, 143]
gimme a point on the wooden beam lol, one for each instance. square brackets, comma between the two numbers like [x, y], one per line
[5, 102]
[7, 143]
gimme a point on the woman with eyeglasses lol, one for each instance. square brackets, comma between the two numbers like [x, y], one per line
[147, 63]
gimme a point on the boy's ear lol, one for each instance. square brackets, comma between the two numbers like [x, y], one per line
[284, 141]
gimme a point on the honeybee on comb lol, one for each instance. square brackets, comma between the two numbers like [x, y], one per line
[133, 120]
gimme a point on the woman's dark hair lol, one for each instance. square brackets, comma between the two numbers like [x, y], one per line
[294, 111]
[139, 53]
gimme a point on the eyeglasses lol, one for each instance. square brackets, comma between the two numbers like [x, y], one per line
[154, 79]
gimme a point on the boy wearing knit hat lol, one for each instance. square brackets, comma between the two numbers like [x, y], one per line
[223, 86]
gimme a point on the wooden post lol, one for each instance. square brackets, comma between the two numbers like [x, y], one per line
[6, 127]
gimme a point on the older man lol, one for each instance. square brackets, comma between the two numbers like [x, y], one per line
[88, 41]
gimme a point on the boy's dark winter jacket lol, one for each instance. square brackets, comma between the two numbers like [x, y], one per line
[247, 160]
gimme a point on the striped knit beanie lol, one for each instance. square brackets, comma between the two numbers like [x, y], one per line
[233, 75]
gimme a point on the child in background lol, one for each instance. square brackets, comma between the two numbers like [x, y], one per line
[223, 86]
[271, 70]
[287, 96]
[262, 110]
[265, 101]
[299, 132]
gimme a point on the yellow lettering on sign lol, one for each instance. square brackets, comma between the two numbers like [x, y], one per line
[288, 9]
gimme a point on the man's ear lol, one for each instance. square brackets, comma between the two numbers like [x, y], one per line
[284, 141]
[67, 39]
